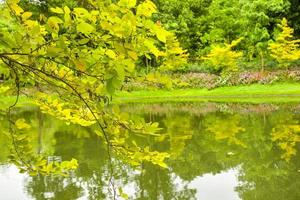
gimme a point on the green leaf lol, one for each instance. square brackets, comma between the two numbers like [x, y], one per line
[54, 51]
[56, 20]
[85, 28]
[110, 86]
[121, 72]
[127, 3]
[82, 13]
[84, 41]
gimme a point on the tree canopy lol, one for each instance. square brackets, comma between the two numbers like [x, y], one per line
[70, 61]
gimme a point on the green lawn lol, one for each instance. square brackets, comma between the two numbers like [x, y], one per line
[277, 93]
[284, 92]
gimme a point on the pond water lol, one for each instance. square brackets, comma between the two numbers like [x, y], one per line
[219, 151]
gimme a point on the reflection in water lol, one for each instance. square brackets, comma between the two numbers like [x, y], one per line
[218, 151]
[225, 127]
[208, 186]
[287, 134]
[219, 186]
[12, 183]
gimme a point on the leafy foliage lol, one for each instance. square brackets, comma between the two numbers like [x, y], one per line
[284, 49]
[185, 19]
[224, 59]
[24, 156]
[74, 59]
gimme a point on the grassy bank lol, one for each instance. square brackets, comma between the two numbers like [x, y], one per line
[277, 93]
[283, 92]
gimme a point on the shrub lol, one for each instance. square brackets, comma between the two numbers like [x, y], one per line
[223, 58]
[284, 49]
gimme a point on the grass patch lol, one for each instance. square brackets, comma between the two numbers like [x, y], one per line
[256, 93]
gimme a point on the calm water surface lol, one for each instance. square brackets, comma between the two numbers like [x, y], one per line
[218, 152]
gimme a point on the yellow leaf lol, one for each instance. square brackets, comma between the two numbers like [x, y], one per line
[30, 23]
[80, 65]
[67, 10]
[56, 20]
[111, 54]
[67, 113]
[67, 16]
[147, 8]
[82, 13]
[26, 15]
[17, 9]
[21, 124]
[57, 10]
[53, 23]
[162, 164]
[85, 28]
[133, 55]
[3, 89]
[162, 34]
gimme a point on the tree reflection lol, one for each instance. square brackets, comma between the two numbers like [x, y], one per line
[225, 127]
[287, 134]
[263, 147]
[157, 183]
[48, 187]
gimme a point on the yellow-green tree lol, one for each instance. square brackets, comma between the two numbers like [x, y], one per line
[285, 49]
[74, 59]
[223, 58]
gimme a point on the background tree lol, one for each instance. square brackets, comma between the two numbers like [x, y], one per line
[285, 49]
[185, 19]
[293, 16]
[223, 58]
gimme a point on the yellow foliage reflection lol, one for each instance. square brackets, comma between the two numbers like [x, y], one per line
[226, 128]
[286, 136]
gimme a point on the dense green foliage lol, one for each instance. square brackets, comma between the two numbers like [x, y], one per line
[202, 24]
[70, 58]
[70, 61]
[215, 21]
